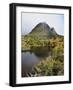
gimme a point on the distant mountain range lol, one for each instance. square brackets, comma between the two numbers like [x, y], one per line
[43, 30]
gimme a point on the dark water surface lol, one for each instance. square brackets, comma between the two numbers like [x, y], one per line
[30, 59]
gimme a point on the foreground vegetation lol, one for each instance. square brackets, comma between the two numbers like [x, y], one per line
[49, 67]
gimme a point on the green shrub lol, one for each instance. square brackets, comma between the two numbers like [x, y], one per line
[49, 67]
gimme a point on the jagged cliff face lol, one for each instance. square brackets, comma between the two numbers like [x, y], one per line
[43, 30]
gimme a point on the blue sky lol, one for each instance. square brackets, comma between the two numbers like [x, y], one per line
[30, 20]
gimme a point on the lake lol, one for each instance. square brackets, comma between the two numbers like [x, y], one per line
[31, 58]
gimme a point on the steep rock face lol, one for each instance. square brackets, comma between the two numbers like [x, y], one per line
[43, 30]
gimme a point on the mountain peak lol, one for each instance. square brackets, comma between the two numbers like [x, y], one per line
[43, 24]
[43, 30]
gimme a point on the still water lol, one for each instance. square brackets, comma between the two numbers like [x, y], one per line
[30, 59]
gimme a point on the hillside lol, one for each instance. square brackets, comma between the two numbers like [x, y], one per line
[40, 36]
[43, 31]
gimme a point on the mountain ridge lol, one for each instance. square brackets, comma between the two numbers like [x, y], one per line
[43, 30]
